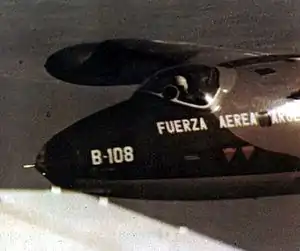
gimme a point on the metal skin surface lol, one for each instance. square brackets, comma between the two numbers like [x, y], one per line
[177, 144]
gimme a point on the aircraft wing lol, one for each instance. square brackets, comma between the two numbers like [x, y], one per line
[130, 61]
[55, 220]
[176, 50]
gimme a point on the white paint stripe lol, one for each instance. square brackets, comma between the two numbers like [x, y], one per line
[28, 166]
[251, 54]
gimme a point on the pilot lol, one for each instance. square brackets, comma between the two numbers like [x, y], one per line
[181, 82]
[190, 93]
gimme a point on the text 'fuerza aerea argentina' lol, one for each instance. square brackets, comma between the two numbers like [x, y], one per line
[225, 121]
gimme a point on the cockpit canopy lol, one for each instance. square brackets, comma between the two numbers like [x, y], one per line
[190, 85]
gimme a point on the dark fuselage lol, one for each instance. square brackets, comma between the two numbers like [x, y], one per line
[166, 144]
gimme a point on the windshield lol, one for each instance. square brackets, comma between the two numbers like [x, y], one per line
[191, 84]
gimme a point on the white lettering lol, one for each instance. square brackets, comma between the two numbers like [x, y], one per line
[96, 157]
[195, 128]
[278, 118]
[128, 154]
[281, 118]
[181, 125]
[119, 155]
[253, 120]
[222, 122]
[245, 119]
[297, 118]
[289, 118]
[225, 121]
[160, 127]
[170, 127]
[274, 118]
[250, 119]
[237, 120]
[178, 126]
[186, 125]
[203, 125]
[229, 120]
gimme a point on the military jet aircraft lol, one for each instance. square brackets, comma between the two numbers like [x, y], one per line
[205, 123]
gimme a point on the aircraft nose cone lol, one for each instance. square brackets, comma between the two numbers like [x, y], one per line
[57, 162]
[40, 164]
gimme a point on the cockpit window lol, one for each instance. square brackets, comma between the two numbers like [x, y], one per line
[188, 84]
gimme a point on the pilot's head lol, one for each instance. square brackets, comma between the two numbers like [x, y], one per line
[181, 81]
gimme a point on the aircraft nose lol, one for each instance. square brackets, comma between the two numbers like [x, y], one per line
[40, 164]
[57, 162]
